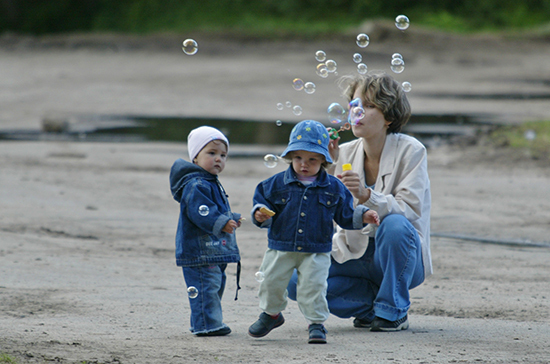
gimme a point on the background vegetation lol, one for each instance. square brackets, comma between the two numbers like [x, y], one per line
[263, 17]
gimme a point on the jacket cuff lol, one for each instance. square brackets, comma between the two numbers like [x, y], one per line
[219, 225]
[358, 216]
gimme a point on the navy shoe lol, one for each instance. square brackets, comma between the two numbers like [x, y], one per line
[362, 323]
[265, 324]
[220, 332]
[380, 324]
[317, 334]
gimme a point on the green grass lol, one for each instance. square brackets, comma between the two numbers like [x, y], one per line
[6, 359]
[532, 137]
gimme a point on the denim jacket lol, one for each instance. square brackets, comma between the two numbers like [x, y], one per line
[200, 239]
[303, 220]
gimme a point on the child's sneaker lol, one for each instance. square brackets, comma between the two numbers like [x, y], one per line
[317, 334]
[265, 324]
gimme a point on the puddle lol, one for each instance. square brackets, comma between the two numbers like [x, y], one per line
[427, 128]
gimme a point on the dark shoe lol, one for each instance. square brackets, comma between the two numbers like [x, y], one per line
[265, 324]
[362, 323]
[317, 334]
[380, 324]
[220, 332]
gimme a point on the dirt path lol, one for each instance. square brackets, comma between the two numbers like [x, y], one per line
[87, 272]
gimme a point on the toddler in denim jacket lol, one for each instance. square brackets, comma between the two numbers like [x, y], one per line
[205, 237]
[298, 206]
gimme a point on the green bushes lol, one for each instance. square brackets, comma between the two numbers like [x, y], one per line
[146, 16]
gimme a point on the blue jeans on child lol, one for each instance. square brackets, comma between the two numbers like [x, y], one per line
[378, 283]
[206, 308]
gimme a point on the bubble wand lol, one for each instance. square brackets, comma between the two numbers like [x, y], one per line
[334, 133]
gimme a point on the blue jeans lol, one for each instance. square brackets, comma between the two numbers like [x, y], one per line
[378, 283]
[206, 308]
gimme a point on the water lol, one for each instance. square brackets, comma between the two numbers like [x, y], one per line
[248, 132]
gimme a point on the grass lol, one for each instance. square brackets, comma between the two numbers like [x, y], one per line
[531, 137]
[6, 359]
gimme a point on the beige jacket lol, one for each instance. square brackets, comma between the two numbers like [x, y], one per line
[402, 187]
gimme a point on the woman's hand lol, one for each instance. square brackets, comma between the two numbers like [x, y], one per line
[351, 180]
[334, 148]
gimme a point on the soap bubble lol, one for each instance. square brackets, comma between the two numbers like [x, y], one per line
[357, 113]
[280, 106]
[271, 160]
[397, 65]
[192, 292]
[362, 68]
[362, 40]
[331, 66]
[297, 110]
[288, 104]
[322, 70]
[259, 276]
[407, 87]
[190, 47]
[402, 22]
[278, 123]
[204, 210]
[336, 113]
[396, 55]
[357, 58]
[530, 134]
[298, 84]
[320, 56]
[309, 88]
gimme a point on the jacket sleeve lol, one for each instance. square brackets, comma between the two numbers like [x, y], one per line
[410, 183]
[211, 218]
[259, 200]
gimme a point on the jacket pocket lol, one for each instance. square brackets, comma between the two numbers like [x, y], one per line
[329, 201]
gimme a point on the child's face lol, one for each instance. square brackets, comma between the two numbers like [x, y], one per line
[212, 157]
[307, 164]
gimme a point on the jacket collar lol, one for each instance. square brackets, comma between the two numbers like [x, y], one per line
[321, 181]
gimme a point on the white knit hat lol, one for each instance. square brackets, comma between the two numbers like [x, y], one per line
[199, 137]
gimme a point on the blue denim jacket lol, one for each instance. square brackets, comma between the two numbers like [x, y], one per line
[200, 239]
[304, 215]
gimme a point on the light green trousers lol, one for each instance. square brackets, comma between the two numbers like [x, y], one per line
[312, 269]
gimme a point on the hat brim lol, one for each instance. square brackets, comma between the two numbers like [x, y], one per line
[309, 147]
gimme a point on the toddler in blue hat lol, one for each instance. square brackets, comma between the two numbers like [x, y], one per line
[298, 207]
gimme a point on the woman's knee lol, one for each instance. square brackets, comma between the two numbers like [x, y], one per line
[393, 227]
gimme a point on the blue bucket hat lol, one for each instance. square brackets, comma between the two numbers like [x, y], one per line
[311, 136]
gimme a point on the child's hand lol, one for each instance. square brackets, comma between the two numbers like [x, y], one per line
[231, 226]
[371, 217]
[260, 216]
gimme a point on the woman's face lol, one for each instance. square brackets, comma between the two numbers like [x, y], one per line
[373, 125]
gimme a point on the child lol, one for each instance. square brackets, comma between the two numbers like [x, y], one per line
[301, 204]
[205, 238]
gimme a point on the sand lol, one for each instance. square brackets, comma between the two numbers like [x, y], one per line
[87, 268]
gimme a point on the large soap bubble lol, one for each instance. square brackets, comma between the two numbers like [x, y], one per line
[336, 113]
[192, 292]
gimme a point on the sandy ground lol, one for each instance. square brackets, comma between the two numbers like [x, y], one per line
[87, 270]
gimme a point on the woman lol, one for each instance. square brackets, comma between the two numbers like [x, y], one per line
[372, 270]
